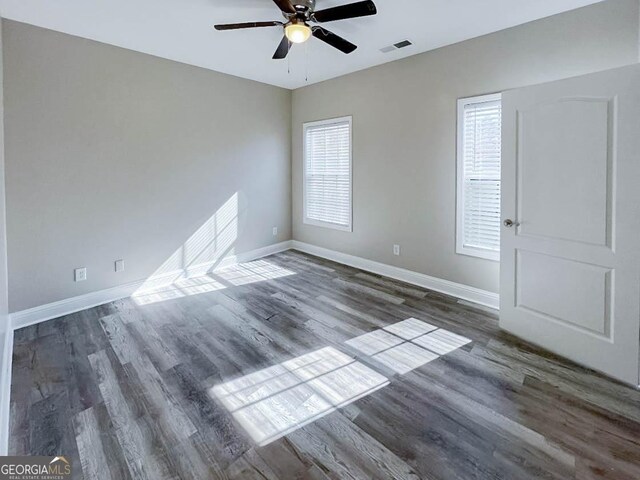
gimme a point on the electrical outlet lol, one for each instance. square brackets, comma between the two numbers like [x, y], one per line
[396, 249]
[80, 274]
[275, 231]
[119, 265]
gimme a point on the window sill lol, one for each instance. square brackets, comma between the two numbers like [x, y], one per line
[479, 253]
[332, 226]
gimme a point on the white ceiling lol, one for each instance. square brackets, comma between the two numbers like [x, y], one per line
[181, 30]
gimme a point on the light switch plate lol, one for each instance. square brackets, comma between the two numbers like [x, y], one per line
[119, 265]
[396, 249]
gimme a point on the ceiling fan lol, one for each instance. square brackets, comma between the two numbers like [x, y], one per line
[298, 14]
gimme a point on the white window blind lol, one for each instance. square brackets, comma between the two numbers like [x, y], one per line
[479, 153]
[327, 173]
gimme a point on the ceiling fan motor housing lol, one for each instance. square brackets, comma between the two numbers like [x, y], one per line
[305, 7]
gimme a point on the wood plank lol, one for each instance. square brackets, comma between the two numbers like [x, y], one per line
[88, 437]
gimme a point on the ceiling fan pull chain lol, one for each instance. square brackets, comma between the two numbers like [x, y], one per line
[306, 62]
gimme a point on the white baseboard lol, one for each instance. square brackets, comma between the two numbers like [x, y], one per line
[464, 292]
[41, 313]
[5, 390]
[31, 316]
[48, 311]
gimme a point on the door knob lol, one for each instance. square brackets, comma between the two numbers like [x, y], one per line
[510, 223]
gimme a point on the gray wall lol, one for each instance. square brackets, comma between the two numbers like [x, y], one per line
[4, 300]
[404, 131]
[113, 154]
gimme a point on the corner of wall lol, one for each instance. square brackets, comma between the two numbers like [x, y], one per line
[6, 333]
[638, 18]
[291, 130]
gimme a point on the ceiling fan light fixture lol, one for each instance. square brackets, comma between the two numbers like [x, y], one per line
[297, 13]
[297, 32]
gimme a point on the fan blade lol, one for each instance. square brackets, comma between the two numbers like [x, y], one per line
[352, 10]
[333, 40]
[236, 26]
[283, 49]
[285, 6]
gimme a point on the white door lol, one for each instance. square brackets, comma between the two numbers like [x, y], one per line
[570, 262]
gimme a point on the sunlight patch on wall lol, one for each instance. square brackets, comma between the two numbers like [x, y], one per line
[202, 250]
[191, 269]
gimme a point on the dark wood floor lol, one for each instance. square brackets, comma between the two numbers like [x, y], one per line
[145, 387]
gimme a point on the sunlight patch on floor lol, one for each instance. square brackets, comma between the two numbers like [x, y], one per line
[258, 271]
[410, 328]
[278, 400]
[374, 342]
[235, 275]
[407, 345]
[405, 357]
[441, 341]
[275, 401]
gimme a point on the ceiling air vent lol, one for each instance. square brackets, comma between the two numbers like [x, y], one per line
[402, 44]
[396, 46]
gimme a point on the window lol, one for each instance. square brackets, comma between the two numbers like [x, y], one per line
[327, 173]
[478, 189]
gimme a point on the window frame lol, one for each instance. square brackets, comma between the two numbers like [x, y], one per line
[461, 249]
[311, 221]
